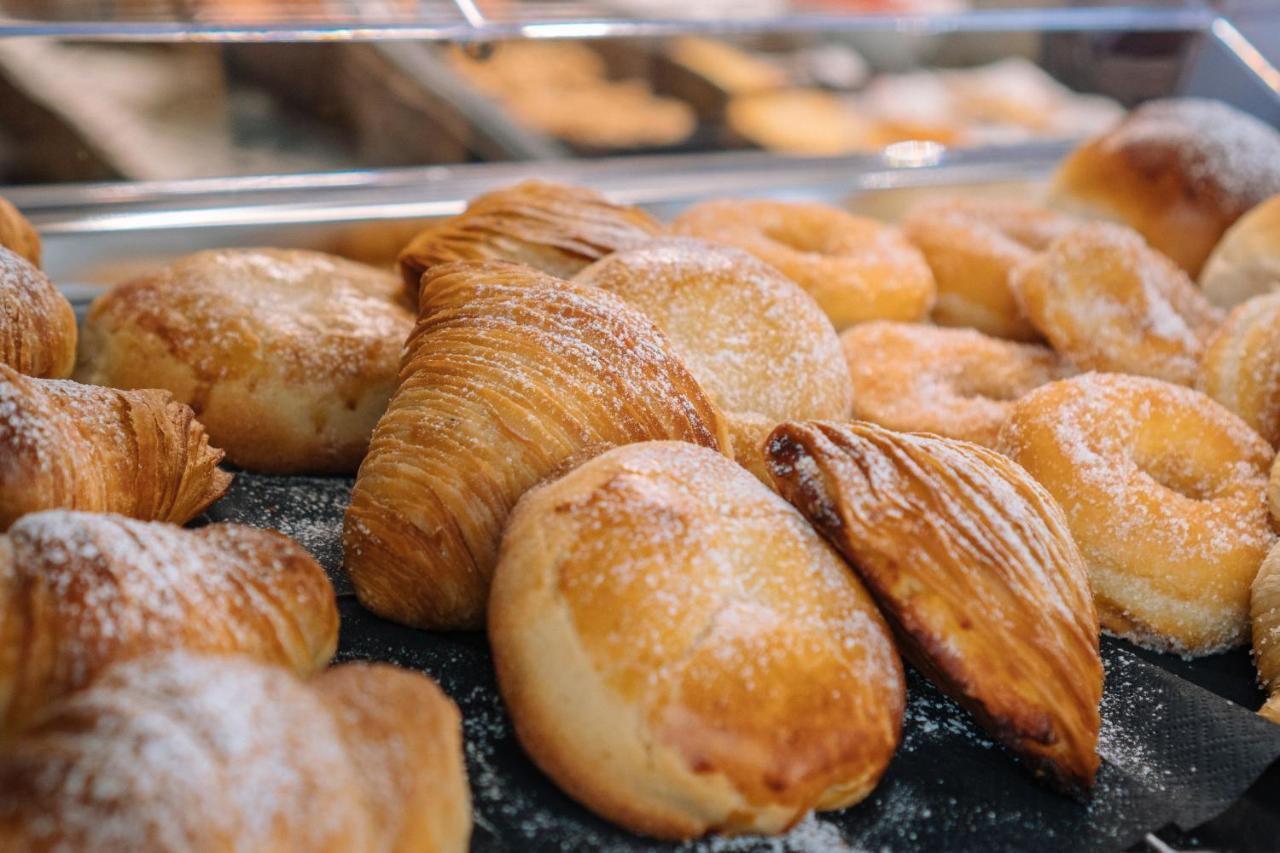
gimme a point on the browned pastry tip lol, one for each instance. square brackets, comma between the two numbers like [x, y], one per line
[64, 445]
[510, 377]
[555, 228]
[973, 564]
[37, 323]
[82, 590]
[182, 751]
[17, 234]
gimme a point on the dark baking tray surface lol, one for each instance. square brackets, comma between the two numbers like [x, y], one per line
[1174, 753]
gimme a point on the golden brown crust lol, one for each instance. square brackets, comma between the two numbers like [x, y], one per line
[1264, 616]
[210, 753]
[1165, 492]
[1241, 366]
[554, 228]
[973, 245]
[683, 654]
[511, 376]
[1246, 261]
[83, 590]
[957, 383]
[64, 445]
[287, 357]
[752, 338]
[857, 269]
[1107, 301]
[1179, 170]
[17, 234]
[973, 564]
[37, 323]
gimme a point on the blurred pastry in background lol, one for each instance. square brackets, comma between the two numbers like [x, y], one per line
[730, 68]
[800, 121]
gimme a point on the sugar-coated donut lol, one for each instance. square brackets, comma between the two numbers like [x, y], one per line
[1246, 262]
[1264, 613]
[1273, 493]
[1179, 170]
[1165, 493]
[956, 383]
[37, 323]
[757, 343]
[681, 652]
[1107, 301]
[287, 357]
[1241, 366]
[17, 234]
[857, 269]
[972, 245]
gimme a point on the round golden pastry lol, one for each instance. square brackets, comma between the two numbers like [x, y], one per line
[857, 269]
[800, 121]
[1179, 170]
[972, 245]
[957, 383]
[1165, 493]
[37, 323]
[17, 234]
[1241, 366]
[1246, 262]
[1107, 301]
[680, 650]
[1264, 612]
[287, 357]
[1273, 493]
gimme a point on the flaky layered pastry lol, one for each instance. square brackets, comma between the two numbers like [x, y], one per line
[181, 751]
[80, 590]
[551, 227]
[37, 324]
[974, 566]
[17, 234]
[511, 376]
[682, 653]
[64, 445]
[288, 357]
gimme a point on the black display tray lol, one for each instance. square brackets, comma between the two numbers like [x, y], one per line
[1175, 754]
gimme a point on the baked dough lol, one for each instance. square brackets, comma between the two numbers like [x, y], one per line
[82, 590]
[972, 563]
[37, 323]
[683, 654]
[203, 752]
[511, 376]
[957, 383]
[1241, 367]
[1165, 492]
[1107, 301]
[1264, 614]
[1179, 170]
[64, 445]
[17, 234]
[287, 357]
[1246, 262]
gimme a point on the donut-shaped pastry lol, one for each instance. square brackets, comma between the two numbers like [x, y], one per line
[17, 234]
[1107, 301]
[1165, 493]
[37, 323]
[956, 383]
[757, 343]
[1273, 493]
[1241, 367]
[857, 269]
[681, 651]
[1179, 170]
[1246, 262]
[1264, 611]
[972, 245]
[287, 357]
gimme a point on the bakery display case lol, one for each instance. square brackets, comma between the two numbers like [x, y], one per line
[137, 134]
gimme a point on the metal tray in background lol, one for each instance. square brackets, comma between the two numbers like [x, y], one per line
[949, 786]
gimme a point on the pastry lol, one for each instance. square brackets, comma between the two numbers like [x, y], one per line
[181, 751]
[1241, 367]
[1264, 615]
[857, 269]
[510, 377]
[81, 590]
[552, 227]
[287, 357]
[37, 324]
[1107, 301]
[957, 383]
[1246, 262]
[972, 245]
[808, 122]
[1179, 170]
[682, 654]
[972, 563]
[17, 234]
[1165, 493]
[64, 445]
